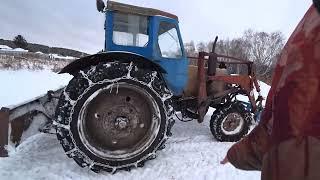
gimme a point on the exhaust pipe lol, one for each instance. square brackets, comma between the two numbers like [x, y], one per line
[212, 63]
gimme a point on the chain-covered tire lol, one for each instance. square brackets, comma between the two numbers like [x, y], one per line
[230, 122]
[114, 116]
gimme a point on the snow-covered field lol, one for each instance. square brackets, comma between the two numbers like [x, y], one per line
[7, 48]
[23, 85]
[191, 153]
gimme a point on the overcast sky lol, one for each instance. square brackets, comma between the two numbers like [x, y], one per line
[76, 24]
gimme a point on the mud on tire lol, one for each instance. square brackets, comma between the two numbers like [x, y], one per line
[230, 122]
[84, 89]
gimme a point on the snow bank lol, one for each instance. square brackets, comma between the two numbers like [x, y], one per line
[264, 92]
[62, 57]
[4, 47]
[23, 85]
[191, 153]
[265, 88]
[16, 50]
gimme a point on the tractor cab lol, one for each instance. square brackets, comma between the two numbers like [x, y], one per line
[150, 33]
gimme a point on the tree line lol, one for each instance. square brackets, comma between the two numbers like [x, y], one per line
[19, 41]
[260, 47]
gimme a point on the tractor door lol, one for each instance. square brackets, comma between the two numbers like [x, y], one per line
[169, 53]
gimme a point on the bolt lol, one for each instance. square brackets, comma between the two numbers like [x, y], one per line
[142, 125]
[96, 115]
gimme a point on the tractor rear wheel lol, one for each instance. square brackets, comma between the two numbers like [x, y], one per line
[230, 122]
[114, 116]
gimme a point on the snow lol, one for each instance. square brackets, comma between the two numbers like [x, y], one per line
[4, 47]
[264, 92]
[62, 57]
[23, 85]
[15, 50]
[191, 153]
[38, 121]
[264, 89]
[20, 50]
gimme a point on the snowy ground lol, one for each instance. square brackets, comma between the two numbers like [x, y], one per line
[192, 152]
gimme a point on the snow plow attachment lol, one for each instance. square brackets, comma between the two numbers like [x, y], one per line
[22, 121]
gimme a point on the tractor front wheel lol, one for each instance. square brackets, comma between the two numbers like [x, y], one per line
[230, 122]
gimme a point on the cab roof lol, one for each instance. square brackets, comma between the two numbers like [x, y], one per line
[130, 9]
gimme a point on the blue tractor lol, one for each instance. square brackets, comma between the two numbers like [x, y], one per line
[118, 109]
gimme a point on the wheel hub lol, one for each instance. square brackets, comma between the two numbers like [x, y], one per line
[232, 123]
[121, 123]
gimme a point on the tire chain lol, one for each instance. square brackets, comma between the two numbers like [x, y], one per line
[63, 128]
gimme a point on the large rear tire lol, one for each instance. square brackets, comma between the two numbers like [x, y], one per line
[230, 122]
[114, 116]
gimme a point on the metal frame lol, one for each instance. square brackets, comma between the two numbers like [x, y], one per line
[246, 82]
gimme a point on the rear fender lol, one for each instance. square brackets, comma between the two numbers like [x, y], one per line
[80, 64]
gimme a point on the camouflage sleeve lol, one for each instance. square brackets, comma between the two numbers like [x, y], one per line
[247, 154]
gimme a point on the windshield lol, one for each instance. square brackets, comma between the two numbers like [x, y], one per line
[168, 41]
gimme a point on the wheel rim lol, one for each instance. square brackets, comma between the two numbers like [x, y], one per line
[232, 124]
[119, 123]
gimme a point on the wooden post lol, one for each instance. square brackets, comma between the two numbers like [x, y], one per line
[4, 130]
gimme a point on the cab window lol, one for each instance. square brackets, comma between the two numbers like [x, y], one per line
[130, 30]
[168, 41]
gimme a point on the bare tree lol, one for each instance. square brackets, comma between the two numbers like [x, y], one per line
[20, 42]
[263, 49]
[201, 47]
[190, 48]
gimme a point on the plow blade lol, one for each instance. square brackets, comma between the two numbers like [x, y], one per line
[24, 120]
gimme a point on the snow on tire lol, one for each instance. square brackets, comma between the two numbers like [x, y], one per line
[114, 116]
[230, 122]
